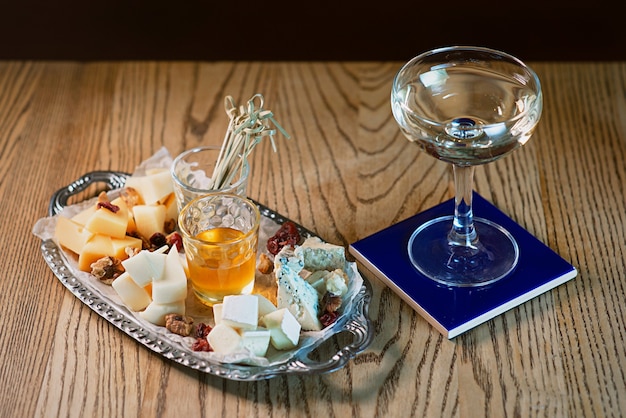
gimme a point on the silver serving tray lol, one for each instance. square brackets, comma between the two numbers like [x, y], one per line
[355, 322]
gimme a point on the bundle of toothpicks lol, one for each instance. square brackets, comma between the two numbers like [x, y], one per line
[247, 127]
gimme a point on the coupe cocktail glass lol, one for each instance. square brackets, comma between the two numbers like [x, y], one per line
[466, 106]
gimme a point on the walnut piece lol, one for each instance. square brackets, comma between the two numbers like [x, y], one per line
[131, 251]
[131, 197]
[265, 266]
[179, 324]
[330, 302]
[107, 269]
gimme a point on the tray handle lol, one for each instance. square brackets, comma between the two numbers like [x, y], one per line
[110, 179]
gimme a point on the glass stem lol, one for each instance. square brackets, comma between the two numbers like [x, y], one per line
[463, 232]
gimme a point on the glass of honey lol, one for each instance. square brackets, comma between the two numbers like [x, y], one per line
[220, 236]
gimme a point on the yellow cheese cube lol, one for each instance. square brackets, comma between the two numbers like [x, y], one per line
[82, 217]
[97, 247]
[71, 235]
[119, 246]
[133, 296]
[149, 219]
[131, 228]
[171, 210]
[106, 222]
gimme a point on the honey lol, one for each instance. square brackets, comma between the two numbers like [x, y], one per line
[223, 264]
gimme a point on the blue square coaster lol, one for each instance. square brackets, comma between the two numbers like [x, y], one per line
[454, 310]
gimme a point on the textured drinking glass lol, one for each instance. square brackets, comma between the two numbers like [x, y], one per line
[192, 171]
[220, 235]
[465, 106]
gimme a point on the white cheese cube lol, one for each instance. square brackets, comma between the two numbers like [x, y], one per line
[155, 312]
[265, 306]
[284, 329]
[224, 339]
[138, 266]
[133, 296]
[217, 313]
[173, 286]
[156, 263]
[240, 311]
[256, 341]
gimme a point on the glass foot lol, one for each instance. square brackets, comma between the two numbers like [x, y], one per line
[492, 258]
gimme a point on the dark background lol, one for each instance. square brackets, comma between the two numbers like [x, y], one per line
[292, 30]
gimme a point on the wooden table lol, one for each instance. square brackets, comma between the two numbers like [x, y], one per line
[345, 173]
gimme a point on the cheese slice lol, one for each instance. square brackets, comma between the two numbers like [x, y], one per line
[171, 209]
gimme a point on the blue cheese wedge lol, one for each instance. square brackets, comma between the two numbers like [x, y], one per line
[319, 255]
[287, 258]
[299, 297]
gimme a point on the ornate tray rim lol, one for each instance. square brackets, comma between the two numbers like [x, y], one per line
[356, 322]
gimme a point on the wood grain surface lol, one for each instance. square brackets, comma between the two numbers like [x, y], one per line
[345, 173]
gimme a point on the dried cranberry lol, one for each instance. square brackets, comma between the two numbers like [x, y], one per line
[110, 206]
[201, 344]
[328, 318]
[287, 235]
[272, 246]
[158, 240]
[202, 330]
[175, 239]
